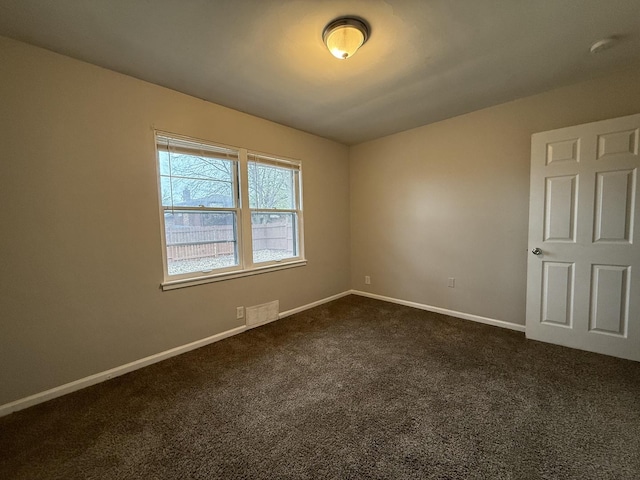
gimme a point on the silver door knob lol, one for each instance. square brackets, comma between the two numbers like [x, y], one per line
[536, 251]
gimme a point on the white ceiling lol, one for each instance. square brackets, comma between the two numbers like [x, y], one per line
[426, 60]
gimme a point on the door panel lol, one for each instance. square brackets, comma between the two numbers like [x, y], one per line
[615, 198]
[557, 293]
[583, 289]
[617, 143]
[564, 151]
[609, 299]
[560, 209]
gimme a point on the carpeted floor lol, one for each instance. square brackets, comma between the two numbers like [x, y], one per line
[356, 388]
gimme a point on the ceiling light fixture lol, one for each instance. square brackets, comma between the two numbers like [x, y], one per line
[344, 36]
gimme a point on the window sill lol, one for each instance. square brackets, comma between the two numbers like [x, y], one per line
[190, 282]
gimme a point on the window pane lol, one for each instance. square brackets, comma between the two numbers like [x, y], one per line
[195, 166]
[271, 187]
[163, 159]
[200, 241]
[191, 180]
[193, 192]
[274, 236]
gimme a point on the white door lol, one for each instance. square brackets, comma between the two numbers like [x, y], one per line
[583, 276]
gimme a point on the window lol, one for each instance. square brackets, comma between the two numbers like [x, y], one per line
[226, 212]
[274, 205]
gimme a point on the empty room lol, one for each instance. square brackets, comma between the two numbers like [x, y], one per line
[360, 239]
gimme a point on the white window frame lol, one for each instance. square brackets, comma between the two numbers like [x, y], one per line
[295, 167]
[243, 226]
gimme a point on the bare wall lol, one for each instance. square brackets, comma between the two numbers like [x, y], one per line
[451, 199]
[80, 248]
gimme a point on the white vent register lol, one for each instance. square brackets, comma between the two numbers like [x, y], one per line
[265, 313]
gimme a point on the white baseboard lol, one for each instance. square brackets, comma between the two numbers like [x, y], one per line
[444, 311]
[79, 384]
[314, 304]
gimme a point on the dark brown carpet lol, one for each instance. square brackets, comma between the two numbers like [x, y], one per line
[356, 388]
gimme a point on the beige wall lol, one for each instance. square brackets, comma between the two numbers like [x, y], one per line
[80, 248]
[450, 199]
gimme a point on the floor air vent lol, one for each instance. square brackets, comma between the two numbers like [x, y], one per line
[265, 313]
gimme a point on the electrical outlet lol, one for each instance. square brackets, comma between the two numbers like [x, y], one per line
[452, 282]
[367, 280]
[239, 312]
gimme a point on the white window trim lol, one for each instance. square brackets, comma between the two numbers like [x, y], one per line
[188, 282]
[245, 266]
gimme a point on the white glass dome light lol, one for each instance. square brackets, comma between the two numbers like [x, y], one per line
[344, 36]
